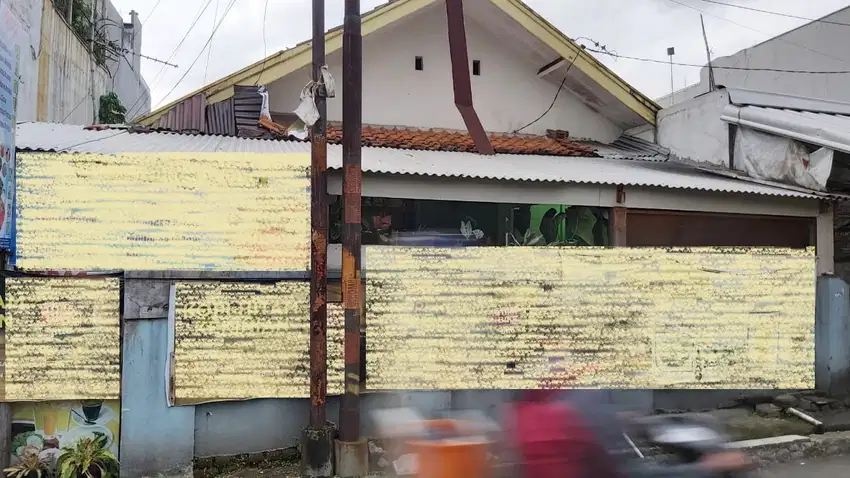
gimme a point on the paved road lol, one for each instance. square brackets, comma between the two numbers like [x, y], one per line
[823, 468]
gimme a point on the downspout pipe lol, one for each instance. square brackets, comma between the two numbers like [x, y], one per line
[460, 77]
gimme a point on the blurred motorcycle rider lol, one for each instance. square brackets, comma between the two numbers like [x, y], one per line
[564, 435]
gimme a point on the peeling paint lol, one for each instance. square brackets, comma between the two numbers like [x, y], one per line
[62, 339]
[157, 211]
[519, 318]
[243, 341]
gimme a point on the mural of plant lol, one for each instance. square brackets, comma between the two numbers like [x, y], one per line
[90, 458]
[30, 466]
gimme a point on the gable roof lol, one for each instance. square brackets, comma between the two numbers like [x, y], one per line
[288, 61]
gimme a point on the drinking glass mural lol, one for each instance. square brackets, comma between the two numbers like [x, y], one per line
[44, 428]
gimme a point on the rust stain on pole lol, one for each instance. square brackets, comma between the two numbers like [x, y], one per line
[319, 234]
[352, 117]
[460, 77]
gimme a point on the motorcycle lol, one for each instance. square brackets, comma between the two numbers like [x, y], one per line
[685, 438]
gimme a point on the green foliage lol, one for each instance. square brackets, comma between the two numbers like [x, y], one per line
[30, 466]
[111, 110]
[89, 458]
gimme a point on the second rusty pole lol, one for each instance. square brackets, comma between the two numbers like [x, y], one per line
[352, 453]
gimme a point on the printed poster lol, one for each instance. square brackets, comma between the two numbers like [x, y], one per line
[46, 428]
[10, 57]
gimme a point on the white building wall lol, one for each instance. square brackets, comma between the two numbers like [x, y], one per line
[693, 130]
[816, 46]
[507, 95]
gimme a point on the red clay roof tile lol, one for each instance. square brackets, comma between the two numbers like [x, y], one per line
[556, 143]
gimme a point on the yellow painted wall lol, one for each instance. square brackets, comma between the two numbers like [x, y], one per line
[190, 211]
[241, 341]
[62, 339]
[525, 317]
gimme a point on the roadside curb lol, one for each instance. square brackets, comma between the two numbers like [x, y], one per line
[795, 447]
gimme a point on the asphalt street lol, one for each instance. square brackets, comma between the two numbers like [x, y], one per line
[822, 468]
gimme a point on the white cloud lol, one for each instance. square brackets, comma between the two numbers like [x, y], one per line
[642, 28]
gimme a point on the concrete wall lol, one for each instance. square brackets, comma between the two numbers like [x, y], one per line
[693, 130]
[60, 82]
[72, 83]
[396, 94]
[816, 46]
[28, 15]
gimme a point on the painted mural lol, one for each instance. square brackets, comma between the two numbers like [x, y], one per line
[46, 428]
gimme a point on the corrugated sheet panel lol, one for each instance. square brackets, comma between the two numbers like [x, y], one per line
[242, 341]
[190, 115]
[209, 211]
[220, 118]
[62, 339]
[247, 104]
[525, 318]
[53, 137]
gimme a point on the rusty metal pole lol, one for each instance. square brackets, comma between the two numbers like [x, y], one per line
[352, 453]
[317, 439]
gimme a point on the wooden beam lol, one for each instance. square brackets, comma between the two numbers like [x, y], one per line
[825, 237]
[551, 66]
[617, 227]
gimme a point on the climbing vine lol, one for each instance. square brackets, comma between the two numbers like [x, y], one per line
[111, 109]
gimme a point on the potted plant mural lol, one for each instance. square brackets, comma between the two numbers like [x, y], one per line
[30, 466]
[89, 458]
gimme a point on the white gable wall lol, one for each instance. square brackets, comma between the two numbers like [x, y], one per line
[507, 95]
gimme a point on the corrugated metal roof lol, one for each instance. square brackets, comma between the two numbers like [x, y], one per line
[62, 339]
[630, 147]
[822, 129]
[561, 317]
[58, 137]
[237, 341]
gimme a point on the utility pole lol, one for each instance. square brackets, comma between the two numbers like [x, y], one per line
[317, 438]
[352, 453]
[670, 52]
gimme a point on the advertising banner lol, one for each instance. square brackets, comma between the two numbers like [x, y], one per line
[10, 56]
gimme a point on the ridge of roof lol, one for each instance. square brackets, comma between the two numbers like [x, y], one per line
[395, 10]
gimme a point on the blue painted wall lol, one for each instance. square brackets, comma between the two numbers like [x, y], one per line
[155, 439]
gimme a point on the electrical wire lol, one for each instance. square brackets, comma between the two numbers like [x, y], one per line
[158, 77]
[779, 38]
[66, 148]
[779, 14]
[265, 48]
[715, 67]
[209, 50]
[557, 93]
[223, 17]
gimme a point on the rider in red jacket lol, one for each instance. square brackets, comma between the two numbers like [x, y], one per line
[558, 438]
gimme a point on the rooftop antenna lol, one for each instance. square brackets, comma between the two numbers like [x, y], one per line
[670, 52]
[711, 85]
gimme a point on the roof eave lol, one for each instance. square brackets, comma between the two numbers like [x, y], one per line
[636, 101]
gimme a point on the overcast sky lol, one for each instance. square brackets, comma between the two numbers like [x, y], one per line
[641, 28]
